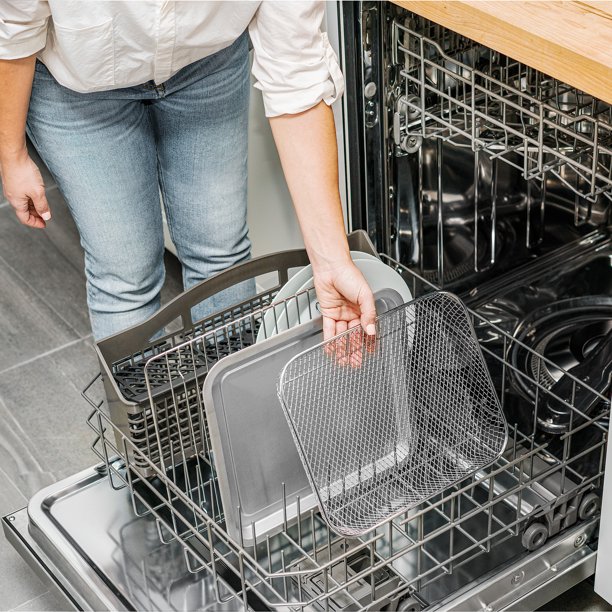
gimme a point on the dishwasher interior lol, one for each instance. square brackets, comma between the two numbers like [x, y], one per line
[473, 174]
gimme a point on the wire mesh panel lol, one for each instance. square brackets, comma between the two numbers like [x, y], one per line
[383, 425]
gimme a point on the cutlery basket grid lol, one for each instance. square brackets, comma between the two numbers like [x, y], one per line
[308, 565]
[153, 386]
[165, 418]
[129, 374]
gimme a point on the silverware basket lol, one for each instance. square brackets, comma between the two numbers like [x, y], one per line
[156, 402]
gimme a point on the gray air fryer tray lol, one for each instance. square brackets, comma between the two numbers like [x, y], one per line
[254, 452]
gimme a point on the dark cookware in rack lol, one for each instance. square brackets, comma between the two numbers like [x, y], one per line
[576, 335]
[565, 332]
[518, 219]
[459, 253]
[467, 255]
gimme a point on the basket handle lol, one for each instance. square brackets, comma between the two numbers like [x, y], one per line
[133, 339]
[138, 337]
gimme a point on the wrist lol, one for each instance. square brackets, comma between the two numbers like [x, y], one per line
[329, 259]
[13, 154]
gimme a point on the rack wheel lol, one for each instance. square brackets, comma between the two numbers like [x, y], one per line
[413, 113]
[534, 536]
[410, 604]
[589, 506]
[411, 143]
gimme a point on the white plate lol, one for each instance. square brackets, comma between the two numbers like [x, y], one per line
[292, 287]
[355, 255]
[378, 275]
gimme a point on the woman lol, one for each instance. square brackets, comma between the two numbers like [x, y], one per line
[125, 99]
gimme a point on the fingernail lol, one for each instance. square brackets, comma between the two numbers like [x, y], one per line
[371, 329]
[46, 216]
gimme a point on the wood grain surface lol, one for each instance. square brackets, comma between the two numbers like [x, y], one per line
[568, 40]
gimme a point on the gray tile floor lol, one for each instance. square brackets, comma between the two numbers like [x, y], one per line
[46, 359]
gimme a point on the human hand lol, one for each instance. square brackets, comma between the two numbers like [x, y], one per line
[24, 188]
[345, 300]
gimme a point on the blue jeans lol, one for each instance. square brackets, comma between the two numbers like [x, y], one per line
[112, 153]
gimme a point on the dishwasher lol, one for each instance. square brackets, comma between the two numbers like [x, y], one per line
[468, 172]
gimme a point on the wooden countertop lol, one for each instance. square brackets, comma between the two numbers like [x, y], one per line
[568, 40]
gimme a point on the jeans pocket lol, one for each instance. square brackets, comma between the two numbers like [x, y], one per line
[87, 54]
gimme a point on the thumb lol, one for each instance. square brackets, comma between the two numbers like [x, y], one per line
[368, 311]
[39, 199]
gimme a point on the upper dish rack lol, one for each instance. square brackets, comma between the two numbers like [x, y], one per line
[458, 91]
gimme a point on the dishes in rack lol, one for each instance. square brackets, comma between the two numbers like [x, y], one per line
[296, 302]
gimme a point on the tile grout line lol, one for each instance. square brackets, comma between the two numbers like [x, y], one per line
[45, 354]
[9, 415]
[33, 290]
[29, 601]
[77, 268]
[13, 484]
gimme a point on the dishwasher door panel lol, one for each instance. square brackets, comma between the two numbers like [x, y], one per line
[82, 536]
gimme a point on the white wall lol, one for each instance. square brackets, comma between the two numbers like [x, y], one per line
[272, 221]
[273, 224]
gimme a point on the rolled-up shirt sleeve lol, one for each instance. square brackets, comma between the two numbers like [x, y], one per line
[23, 27]
[294, 65]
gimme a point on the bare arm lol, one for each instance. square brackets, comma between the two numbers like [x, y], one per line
[21, 180]
[306, 143]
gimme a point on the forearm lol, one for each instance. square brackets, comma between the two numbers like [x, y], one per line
[15, 87]
[306, 143]
[21, 180]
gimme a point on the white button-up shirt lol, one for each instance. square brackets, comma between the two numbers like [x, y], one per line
[97, 45]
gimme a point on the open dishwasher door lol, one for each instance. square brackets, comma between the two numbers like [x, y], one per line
[84, 538]
[115, 560]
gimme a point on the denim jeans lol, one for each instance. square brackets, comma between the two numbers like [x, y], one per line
[112, 153]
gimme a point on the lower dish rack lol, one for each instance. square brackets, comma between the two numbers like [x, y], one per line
[538, 488]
